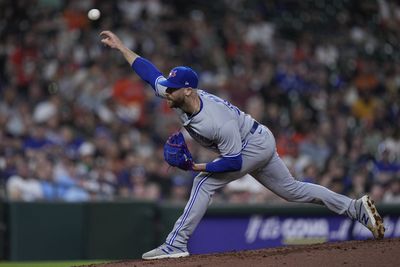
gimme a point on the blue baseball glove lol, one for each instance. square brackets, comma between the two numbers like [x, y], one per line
[176, 152]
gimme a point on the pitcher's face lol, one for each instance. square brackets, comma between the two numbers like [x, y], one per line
[175, 97]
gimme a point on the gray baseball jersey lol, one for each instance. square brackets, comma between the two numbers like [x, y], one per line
[227, 130]
[218, 125]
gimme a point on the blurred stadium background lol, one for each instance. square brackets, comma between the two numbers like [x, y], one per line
[79, 128]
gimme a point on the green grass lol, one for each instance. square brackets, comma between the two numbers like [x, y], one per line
[49, 263]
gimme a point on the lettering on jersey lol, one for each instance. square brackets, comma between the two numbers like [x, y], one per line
[204, 141]
[221, 101]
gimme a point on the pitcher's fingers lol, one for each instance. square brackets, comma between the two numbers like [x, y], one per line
[106, 33]
[106, 41]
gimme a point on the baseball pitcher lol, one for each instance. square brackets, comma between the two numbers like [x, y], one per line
[244, 145]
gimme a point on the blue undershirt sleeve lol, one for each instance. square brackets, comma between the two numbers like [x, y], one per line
[146, 71]
[225, 164]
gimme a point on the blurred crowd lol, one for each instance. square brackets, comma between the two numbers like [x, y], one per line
[77, 124]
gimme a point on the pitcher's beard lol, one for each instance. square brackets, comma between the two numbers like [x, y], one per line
[174, 104]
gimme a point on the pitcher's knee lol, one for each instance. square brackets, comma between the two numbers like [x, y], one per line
[295, 192]
[292, 198]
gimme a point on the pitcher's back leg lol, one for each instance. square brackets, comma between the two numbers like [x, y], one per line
[276, 177]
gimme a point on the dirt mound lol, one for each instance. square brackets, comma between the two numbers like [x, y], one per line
[384, 252]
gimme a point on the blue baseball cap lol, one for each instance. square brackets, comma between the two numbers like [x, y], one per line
[180, 77]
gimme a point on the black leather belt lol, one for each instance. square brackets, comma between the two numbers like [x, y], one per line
[254, 128]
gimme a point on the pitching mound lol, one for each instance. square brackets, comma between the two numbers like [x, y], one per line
[351, 253]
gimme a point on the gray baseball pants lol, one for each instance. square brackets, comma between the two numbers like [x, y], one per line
[261, 160]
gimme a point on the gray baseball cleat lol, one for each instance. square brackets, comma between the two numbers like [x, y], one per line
[165, 251]
[367, 214]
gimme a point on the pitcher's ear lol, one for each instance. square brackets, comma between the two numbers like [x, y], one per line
[188, 91]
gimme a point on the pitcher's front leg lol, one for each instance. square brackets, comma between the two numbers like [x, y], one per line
[204, 186]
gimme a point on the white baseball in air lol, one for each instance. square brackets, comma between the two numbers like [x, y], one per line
[94, 14]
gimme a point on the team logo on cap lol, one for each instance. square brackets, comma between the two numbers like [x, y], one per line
[172, 73]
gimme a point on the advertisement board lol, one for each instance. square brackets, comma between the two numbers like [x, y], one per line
[222, 234]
